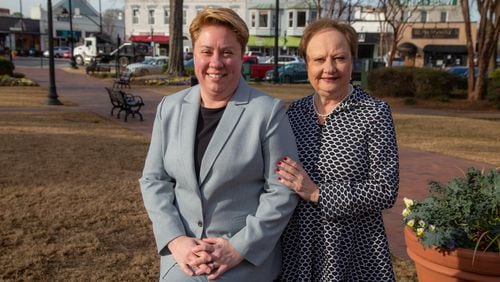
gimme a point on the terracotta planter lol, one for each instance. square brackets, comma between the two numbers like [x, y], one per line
[433, 265]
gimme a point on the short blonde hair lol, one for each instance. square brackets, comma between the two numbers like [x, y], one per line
[325, 23]
[220, 16]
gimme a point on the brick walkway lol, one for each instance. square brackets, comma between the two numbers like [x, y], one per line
[416, 167]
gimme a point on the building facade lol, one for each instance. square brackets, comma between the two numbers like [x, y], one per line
[435, 35]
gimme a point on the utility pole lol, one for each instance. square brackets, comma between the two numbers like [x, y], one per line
[21, 50]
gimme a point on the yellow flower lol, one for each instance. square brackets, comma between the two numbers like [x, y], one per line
[421, 223]
[406, 212]
[411, 222]
[432, 227]
[420, 232]
[408, 202]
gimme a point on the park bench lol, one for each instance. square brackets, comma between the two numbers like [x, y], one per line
[123, 80]
[125, 102]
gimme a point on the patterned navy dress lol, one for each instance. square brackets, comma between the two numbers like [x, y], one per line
[353, 159]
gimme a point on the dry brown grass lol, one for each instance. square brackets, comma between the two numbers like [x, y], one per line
[71, 206]
[473, 139]
[15, 97]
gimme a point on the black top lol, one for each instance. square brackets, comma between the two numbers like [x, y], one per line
[208, 119]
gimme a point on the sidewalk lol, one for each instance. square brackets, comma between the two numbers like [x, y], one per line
[416, 167]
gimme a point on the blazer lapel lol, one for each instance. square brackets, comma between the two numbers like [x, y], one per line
[188, 122]
[228, 122]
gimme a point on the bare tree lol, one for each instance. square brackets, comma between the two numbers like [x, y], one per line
[175, 52]
[487, 40]
[397, 14]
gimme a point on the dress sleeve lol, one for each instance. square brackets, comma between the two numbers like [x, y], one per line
[261, 234]
[157, 189]
[379, 190]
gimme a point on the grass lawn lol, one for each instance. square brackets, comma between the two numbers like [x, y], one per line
[71, 205]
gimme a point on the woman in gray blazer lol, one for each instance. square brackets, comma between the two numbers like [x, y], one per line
[209, 184]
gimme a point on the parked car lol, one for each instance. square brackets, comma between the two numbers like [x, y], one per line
[59, 52]
[189, 63]
[150, 65]
[285, 59]
[289, 73]
[461, 70]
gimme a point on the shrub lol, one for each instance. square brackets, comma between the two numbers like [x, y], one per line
[493, 88]
[421, 83]
[6, 67]
[393, 82]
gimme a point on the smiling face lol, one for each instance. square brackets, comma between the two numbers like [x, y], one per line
[329, 63]
[217, 63]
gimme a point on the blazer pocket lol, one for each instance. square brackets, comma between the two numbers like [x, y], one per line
[166, 264]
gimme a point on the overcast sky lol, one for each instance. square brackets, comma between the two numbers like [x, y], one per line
[14, 5]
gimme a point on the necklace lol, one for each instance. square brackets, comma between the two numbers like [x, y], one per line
[324, 116]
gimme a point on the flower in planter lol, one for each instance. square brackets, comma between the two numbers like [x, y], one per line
[464, 213]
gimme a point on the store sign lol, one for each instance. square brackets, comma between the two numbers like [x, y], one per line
[435, 33]
[431, 2]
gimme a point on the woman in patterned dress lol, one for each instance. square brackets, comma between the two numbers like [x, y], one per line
[349, 172]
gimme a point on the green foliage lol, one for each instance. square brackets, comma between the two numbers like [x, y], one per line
[393, 82]
[465, 213]
[6, 67]
[420, 83]
[493, 88]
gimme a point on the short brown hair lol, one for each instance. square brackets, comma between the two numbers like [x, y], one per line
[220, 16]
[322, 24]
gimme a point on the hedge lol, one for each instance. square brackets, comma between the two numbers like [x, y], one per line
[6, 67]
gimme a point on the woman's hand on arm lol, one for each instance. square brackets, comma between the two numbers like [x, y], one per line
[293, 175]
[192, 263]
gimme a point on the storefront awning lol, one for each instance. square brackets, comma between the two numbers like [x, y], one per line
[268, 41]
[449, 49]
[147, 38]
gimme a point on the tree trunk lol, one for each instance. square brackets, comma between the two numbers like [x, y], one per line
[175, 52]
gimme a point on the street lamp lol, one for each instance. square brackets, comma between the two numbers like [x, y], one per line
[52, 96]
[276, 38]
[152, 41]
[72, 60]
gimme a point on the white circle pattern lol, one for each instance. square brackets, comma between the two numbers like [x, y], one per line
[353, 158]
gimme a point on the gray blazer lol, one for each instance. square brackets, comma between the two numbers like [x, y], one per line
[238, 196]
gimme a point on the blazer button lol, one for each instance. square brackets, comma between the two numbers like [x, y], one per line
[200, 224]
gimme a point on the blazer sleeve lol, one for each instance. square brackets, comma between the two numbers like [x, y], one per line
[379, 190]
[157, 189]
[261, 234]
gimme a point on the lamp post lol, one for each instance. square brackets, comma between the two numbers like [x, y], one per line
[152, 41]
[100, 17]
[276, 38]
[117, 56]
[52, 97]
[72, 60]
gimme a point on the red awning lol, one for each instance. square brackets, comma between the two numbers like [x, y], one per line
[147, 38]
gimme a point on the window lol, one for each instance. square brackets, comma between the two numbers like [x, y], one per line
[184, 15]
[166, 15]
[151, 16]
[314, 15]
[135, 15]
[423, 16]
[301, 19]
[444, 16]
[263, 18]
[252, 19]
[290, 19]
